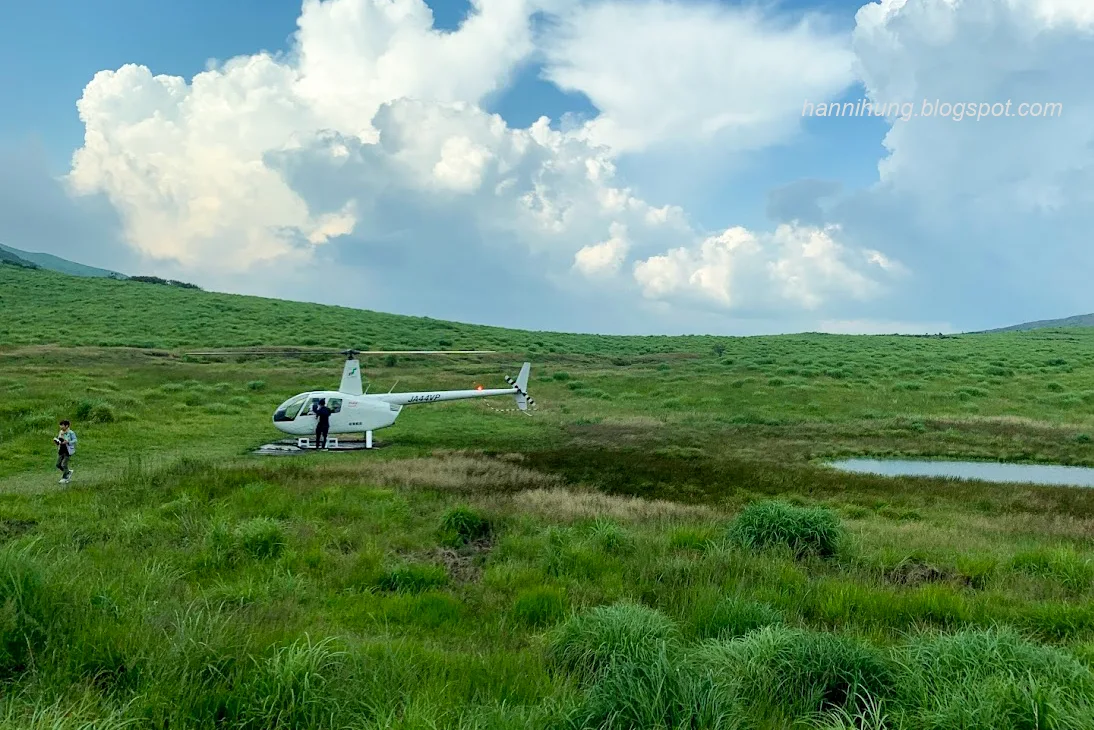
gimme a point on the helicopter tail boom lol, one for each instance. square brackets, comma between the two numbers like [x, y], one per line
[518, 389]
[440, 396]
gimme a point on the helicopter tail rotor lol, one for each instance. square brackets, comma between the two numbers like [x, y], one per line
[521, 385]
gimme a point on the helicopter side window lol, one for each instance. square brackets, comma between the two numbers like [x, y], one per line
[335, 404]
[290, 409]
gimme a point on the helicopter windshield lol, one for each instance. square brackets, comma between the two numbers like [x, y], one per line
[290, 409]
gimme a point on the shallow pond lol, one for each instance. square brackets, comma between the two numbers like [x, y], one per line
[1070, 476]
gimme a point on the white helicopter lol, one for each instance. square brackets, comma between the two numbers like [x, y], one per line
[355, 411]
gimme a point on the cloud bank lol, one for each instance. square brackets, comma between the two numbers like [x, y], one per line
[363, 155]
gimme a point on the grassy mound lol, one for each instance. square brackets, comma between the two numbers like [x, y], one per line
[779, 676]
[993, 679]
[590, 642]
[804, 530]
[463, 525]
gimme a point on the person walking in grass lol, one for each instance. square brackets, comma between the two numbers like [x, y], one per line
[66, 447]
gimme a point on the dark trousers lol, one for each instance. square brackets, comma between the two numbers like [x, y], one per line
[321, 432]
[62, 463]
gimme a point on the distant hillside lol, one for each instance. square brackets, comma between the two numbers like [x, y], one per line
[45, 307]
[8, 257]
[1079, 320]
[58, 264]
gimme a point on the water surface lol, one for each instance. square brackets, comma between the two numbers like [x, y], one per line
[1069, 476]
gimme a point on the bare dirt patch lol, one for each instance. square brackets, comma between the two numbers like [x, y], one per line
[464, 564]
[916, 572]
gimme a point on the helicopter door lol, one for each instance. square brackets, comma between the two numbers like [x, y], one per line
[335, 405]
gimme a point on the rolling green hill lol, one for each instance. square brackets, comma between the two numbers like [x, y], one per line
[45, 307]
[1079, 320]
[56, 263]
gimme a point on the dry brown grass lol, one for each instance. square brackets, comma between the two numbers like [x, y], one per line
[526, 491]
[454, 472]
[1007, 422]
[965, 533]
[567, 505]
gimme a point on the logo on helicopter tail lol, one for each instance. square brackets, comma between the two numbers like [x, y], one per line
[424, 398]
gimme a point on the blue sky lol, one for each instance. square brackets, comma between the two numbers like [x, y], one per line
[756, 176]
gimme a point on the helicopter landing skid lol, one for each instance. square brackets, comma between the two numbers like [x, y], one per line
[286, 447]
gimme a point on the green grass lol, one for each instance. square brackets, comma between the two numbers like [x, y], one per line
[656, 547]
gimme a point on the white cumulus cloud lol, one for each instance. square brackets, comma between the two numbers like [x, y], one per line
[367, 146]
[185, 163]
[670, 72]
[604, 257]
[997, 211]
[796, 266]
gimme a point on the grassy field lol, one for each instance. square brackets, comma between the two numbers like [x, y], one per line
[659, 546]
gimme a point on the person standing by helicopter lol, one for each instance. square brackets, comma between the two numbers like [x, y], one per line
[322, 424]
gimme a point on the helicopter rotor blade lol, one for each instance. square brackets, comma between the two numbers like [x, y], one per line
[351, 352]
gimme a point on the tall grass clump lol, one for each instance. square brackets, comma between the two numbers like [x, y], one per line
[29, 610]
[412, 578]
[56, 623]
[86, 712]
[95, 411]
[987, 679]
[732, 617]
[778, 673]
[209, 675]
[541, 606]
[804, 530]
[588, 643]
[611, 538]
[654, 691]
[262, 537]
[294, 687]
[1062, 564]
[463, 525]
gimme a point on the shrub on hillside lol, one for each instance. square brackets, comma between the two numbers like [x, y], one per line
[164, 282]
[95, 411]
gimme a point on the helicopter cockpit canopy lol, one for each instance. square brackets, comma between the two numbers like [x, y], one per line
[290, 409]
